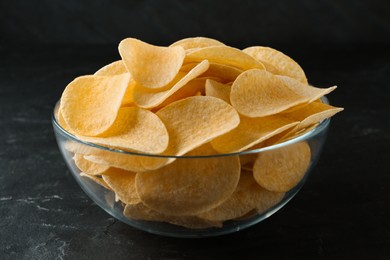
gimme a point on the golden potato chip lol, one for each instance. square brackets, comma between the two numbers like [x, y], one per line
[224, 72]
[141, 212]
[258, 93]
[311, 114]
[62, 122]
[114, 68]
[281, 169]
[190, 127]
[89, 167]
[250, 132]
[197, 42]
[148, 99]
[277, 62]
[305, 90]
[247, 158]
[189, 186]
[123, 184]
[247, 196]
[218, 90]
[193, 88]
[134, 163]
[151, 66]
[96, 179]
[90, 104]
[225, 55]
[136, 130]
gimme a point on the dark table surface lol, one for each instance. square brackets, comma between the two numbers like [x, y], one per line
[342, 212]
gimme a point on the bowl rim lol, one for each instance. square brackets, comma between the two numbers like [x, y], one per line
[316, 130]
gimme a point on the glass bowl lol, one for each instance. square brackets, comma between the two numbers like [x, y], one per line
[107, 200]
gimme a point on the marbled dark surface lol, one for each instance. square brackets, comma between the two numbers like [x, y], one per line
[341, 213]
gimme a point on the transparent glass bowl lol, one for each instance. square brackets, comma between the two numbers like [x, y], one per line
[106, 199]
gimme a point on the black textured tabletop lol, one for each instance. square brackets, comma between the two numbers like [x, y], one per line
[342, 211]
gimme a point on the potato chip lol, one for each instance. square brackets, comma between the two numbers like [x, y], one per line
[89, 167]
[116, 68]
[247, 196]
[96, 179]
[151, 66]
[283, 168]
[258, 93]
[190, 127]
[224, 55]
[311, 114]
[148, 99]
[223, 73]
[62, 122]
[250, 132]
[90, 104]
[218, 90]
[141, 212]
[305, 90]
[136, 130]
[112, 69]
[277, 62]
[193, 88]
[123, 184]
[189, 186]
[247, 158]
[197, 42]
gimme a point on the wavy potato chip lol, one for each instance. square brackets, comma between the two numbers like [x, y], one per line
[251, 131]
[123, 184]
[197, 42]
[89, 167]
[90, 104]
[189, 127]
[224, 55]
[189, 186]
[136, 130]
[248, 196]
[258, 93]
[95, 179]
[117, 68]
[305, 90]
[141, 212]
[151, 66]
[277, 62]
[149, 99]
[281, 169]
[218, 90]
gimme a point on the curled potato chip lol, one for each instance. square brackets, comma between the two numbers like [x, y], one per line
[193, 88]
[123, 184]
[141, 212]
[197, 42]
[89, 167]
[281, 169]
[96, 179]
[151, 66]
[311, 114]
[224, 55]
[148, 99]
[117, 68]
[247, 196]
[136, 130]
[190, 127]
[277, 62]
[218, 90]
[90, 104]
[258, 93]
[224, 72]
[250, 132]
[114, 68]
[305, 90]
[189, 186]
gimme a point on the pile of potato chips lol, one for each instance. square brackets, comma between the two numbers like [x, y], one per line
[195, 98]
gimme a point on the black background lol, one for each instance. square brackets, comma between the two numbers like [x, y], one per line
[343, 210]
